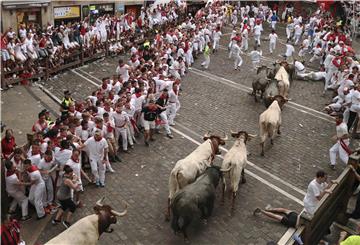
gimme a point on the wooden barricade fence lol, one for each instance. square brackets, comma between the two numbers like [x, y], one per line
[76, 59]
[332, 208]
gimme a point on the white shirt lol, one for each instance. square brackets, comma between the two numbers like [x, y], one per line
[123, 72]
[273, 37]
[12, 184]
[298, 30]
[355, 100]
[35, 159]
[120, 119]
[76, 167]
[96, 148]
[289, 50]
[35, 175]
[257, 30]
[299, 66]
[255, 55]
[43, 165]
[62, 156]
[341, 129]
[310, 200]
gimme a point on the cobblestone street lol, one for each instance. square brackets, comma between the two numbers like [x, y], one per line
[216, 99]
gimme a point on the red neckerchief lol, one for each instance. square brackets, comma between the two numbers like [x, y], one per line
[103, 86]
[338, 123]
[32, 168]
[77, 161]
[111, 96]
[10, 172]
[162, 96]
[98, 140]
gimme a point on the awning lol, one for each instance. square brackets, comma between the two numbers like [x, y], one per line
[25, 4]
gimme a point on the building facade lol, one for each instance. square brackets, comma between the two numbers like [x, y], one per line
[42, 12]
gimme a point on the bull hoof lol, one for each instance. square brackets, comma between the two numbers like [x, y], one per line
[278, 132]
[262, 154]
[271, 142]
[243, 181]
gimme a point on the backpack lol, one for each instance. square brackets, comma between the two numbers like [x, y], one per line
[150, 115]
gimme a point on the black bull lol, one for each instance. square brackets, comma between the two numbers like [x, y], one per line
[195, 200]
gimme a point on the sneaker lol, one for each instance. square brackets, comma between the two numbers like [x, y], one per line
[55, 222]
[126, 151]
[172, 124]
[257, 211]
[97, 183]
[332, 167]
[66, 224]
[131, 146]
[170, 136]
[146, 143]
[152, 139]
[102, 185]
[111, 170]
[25, 218]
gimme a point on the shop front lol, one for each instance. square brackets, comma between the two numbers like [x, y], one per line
[97, 10]
[66, 14]
[27, 13]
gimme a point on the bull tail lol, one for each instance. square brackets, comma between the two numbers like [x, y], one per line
[173, 185]
[270, 130]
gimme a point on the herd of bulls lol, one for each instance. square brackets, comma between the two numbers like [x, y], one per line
[193, 180]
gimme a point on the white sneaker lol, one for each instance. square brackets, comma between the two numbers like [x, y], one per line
[111, 170]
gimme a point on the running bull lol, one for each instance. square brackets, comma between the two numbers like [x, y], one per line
[88, 230]
[186, 170]
[195, 200]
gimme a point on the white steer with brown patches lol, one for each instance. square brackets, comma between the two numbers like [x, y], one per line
[188, 169]
[88, 230]
[270, 121]
[234, 163]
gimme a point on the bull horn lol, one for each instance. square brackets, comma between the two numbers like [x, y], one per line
[226, 170]
[99, 202]
[206, 135]
[252, 135]
[123, 213]
[225, 137]
[233, 132]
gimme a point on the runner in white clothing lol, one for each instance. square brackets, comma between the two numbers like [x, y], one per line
[123, 70]
[255, 56]
[15, 189]
[315, 191]
[98, 156]
[341, 147]
[273, 38]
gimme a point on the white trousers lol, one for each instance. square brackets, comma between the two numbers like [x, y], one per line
[255, 64]
[206, 62]
[21, 200]
[297, 38]
[175, 73]
[164, 120]
[171, 112]
[98, 169]
[123, 132]
[272, 46]
[216, 44]
[36, 197]
[337, 149]
[257, 39]
[273, 25]
[238, 61]
[245, 44]
[49, 194]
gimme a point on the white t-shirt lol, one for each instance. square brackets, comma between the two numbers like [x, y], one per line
[43, 165]
[12, 184]
[96, 148]
[35, 175]
[255, 55]
[123, 72]
[299, 66]
[257, 30]
[62, 156]
[289, 50]
[273, 37]
[341, 129]
[310, 200]
[35, 159]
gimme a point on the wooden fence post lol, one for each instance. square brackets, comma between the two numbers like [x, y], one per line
[47, 68]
